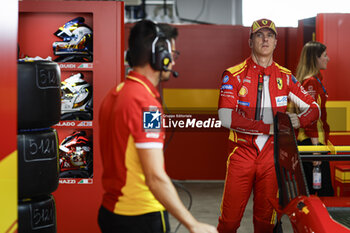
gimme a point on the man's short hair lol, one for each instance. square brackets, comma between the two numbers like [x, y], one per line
[140, 41]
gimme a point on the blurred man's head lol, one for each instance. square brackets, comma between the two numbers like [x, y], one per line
[154, 44]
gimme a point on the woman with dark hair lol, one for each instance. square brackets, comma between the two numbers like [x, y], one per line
[314, 58]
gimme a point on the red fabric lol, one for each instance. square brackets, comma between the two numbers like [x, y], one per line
[315, 89]
[246, 76]
[121, 117]
[247, 171]
[249, 168]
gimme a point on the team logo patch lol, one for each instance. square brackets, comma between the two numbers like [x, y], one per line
[279, 83]
[294, 79]
[226, 87]
[243, 103]
[152, 119]
[281, 101]
[225, 79]
[243, 91]
[152, 135]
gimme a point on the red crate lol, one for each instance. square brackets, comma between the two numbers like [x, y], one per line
[342, 180]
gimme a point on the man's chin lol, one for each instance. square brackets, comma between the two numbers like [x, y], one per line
[165, 77]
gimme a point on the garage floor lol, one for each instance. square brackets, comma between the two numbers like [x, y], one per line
[206, 200]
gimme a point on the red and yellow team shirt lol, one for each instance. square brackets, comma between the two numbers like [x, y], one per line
[129, 120]
[319, 129]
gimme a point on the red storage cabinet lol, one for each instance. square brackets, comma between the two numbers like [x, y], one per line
[342, 180]
[78, 200]
[8, 117]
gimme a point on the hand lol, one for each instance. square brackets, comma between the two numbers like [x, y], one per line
[202, 228]
[315, 143]
[294, 119]
[272, 130]
[316, 163]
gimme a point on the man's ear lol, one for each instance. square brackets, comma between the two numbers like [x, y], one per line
[250, 42]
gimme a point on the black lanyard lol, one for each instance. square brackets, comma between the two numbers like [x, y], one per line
[258, 97]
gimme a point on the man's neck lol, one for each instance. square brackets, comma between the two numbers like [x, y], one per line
[263, 61]
[149, 73]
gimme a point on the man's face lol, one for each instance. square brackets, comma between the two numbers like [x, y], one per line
[263, 42]
[166, 74]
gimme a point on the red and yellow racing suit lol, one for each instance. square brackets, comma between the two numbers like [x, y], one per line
[250, 164]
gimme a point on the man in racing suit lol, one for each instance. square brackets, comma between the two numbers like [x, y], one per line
[251, 94]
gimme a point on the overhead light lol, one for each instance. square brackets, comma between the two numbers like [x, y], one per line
[132, 2]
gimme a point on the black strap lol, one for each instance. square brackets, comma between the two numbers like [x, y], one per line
[258, 98]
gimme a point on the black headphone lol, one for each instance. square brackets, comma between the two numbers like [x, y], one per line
[161, 54]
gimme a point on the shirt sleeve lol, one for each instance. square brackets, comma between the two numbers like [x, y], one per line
[310, 111]
[145, 119]
[230, 115]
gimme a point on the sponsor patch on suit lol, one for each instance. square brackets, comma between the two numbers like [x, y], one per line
[281, 101]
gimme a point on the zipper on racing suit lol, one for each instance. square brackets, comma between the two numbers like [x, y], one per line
[258, 104]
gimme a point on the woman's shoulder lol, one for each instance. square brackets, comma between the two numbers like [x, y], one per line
[309, 80]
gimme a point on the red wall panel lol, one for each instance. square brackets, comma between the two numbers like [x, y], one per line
[205, 52]
[332, 30]
[8, 87]
[8, 117]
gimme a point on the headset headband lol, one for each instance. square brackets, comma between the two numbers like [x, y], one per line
[159, 34]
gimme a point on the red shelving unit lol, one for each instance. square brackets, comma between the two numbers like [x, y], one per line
[8, 117]
[78, 200]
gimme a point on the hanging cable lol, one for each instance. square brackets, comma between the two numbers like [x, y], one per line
[143, 6]
[165, 107]
[175, 182]
[189, 20]
[165, 8]
[204, 3]
[180, 186]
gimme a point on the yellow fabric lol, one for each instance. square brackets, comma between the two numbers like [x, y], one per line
[233, 136]
[274, 213]
[283, 69]
[120, 86]
[320, 129]
[137, 198]
[227, 164]
[163, 221]
[235, 70]
[8, 194]
[321, 134]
